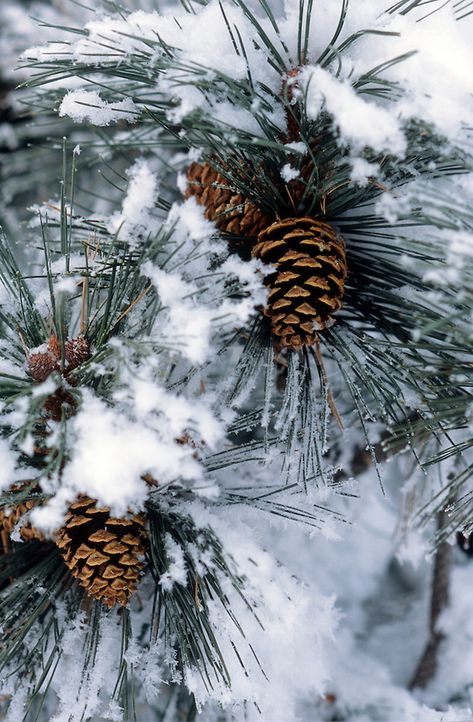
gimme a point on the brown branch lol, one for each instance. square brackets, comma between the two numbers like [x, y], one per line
[428, 663]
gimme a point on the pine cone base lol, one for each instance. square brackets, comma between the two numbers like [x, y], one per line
[307, 285]
[102, 552]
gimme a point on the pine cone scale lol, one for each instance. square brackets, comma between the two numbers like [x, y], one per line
[297, 292]
[96, 559]
[112, 572]
[305, 262]
[74, 521]
[314, 282]
[102, 535]
[280, 303]
[115, 547]
[83, 552]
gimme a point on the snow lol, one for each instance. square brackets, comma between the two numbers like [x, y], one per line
[381, 582]
[191, 219]
[195, 309]
[425, 74]
[67, 285]
[361, 123]
[362, 170]
[436, 76]
[454, 671]
[288, 173]
[53, 51]
[87, 105]
[135, 216]
[112, 451]
[414, 549]
[176, 573]
[7, 465]
[71, 702]
[288, 615]
[218, 54]
[188, 323]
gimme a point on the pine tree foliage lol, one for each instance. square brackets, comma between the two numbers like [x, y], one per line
[374, 308]
[183, 364]
[93, 287]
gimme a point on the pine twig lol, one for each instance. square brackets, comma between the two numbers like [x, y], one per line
[427, 666]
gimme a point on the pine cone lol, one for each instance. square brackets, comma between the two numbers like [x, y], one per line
[9, 521]
[59, 402]
[224, 205]
[76, 351]
[308, 283]
[102, 552]
[41, 364]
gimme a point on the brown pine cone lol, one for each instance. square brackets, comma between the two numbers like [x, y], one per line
[308, 282]
[102, 552]
[224, 205]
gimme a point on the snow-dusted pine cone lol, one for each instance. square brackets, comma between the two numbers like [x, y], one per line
[102, 552]
[47, 359]
[308, 281]
[44, 360]
[76, 351]
[224, 205]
